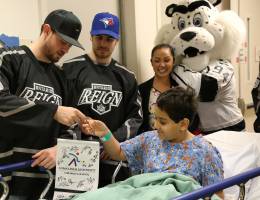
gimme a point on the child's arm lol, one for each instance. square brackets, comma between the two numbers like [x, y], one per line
[111, 145]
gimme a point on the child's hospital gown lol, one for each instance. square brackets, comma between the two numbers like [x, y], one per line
[196, 158]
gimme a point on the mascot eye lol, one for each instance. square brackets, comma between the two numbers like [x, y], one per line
[197, 20]
[181, 23]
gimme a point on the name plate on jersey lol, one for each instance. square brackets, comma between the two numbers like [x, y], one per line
[77, 167]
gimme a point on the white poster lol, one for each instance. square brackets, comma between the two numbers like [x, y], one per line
[77, 167]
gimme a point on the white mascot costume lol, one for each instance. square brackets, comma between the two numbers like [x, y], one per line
[204, 40]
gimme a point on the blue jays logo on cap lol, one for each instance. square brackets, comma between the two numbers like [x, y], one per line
[105, 24]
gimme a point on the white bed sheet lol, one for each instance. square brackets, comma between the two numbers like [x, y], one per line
[240, 152]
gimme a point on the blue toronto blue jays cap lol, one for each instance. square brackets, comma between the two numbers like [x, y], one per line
[105, 24]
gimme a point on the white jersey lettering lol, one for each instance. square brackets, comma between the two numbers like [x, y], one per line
[101, 97]
[41, 93]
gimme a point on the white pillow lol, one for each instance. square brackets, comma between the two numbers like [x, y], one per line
[239, 151]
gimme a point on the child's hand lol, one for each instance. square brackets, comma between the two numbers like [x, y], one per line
[94, 127]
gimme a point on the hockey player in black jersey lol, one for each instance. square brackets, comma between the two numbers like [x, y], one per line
[32, 92]
[105, 90]
[256, 100]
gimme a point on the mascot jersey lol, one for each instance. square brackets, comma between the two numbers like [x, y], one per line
[215, 87]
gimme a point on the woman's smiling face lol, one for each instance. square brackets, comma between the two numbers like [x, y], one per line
[162, 62]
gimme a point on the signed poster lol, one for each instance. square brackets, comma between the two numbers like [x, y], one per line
[77, 167]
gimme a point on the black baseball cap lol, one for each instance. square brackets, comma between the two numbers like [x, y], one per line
[66, 25]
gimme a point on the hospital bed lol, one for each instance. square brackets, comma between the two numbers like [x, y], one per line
[240, 152]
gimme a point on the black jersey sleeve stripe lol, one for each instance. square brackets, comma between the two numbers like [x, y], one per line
[30, 175]
[74, 60]
[17, 110]
[6, 154]
[10, 53]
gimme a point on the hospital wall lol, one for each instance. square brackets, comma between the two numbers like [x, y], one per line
[247, 63]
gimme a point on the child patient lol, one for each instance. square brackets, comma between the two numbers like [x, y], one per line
[169, 148]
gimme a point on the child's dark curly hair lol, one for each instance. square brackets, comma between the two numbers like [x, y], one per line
[178, 103]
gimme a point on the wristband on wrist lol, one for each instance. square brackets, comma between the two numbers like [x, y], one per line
[106, 137]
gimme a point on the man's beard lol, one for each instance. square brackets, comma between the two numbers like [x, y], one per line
[53, 58]
[99, 55]
[50, 55]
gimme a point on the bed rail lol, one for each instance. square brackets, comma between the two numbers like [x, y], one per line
[15, 166]
[208, 191]
[22, 165]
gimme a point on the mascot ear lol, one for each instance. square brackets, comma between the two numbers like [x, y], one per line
[170, 10]
[215, 2]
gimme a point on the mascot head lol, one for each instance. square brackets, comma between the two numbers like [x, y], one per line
[200, 33]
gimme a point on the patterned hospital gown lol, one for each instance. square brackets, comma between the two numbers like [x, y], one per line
[196, 158]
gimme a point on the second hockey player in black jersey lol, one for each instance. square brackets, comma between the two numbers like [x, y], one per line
[105, 90]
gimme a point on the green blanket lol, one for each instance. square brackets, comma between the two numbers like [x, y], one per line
[150, 186]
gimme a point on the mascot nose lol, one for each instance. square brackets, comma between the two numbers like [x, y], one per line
[187, 36]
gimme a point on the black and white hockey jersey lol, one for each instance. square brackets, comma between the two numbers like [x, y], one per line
[256, 101]
[30, 92]
[216, 89]
[110, 94]
[107, 93]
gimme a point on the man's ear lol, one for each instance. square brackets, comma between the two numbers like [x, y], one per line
[46, 28]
